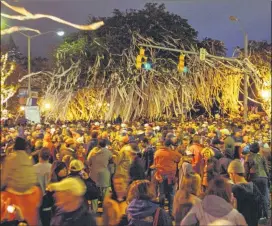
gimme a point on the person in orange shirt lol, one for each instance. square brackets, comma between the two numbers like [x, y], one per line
[196, 149]
[165, 163]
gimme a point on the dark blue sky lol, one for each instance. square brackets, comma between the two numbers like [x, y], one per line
[208, 17]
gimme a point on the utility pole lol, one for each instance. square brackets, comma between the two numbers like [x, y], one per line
[235, 19]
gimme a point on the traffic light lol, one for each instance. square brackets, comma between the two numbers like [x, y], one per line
[142, 61]
[182, 67]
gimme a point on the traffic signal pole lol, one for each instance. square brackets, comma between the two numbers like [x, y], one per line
[189, 52]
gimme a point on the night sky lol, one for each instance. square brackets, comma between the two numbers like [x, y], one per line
[209, 17]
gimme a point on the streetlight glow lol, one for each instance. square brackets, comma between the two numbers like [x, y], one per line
[60, 33]
[47, 106]
[266, 94]
[22, 108]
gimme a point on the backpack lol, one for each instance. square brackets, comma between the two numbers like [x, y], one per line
[147, 221]
[93, 191]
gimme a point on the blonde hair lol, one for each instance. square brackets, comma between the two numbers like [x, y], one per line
[207, 151]
[190, 184]
[141, 189]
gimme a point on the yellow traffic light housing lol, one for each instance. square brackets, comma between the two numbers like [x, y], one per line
[141, 59]
[181, 63]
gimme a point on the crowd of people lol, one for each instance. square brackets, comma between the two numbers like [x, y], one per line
[199, 172]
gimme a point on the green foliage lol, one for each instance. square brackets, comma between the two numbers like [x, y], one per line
[214, 47]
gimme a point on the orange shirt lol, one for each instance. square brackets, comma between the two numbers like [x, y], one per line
[28, 202]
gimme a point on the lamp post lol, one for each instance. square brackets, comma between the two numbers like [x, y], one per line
[235, 19]
[29, 37]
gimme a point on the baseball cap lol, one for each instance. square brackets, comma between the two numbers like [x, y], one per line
[72, 184]
[236, 166]
[76, 165]
[225, 131]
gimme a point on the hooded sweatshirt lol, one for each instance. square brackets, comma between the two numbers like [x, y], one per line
[142, 212]
[210, 210]
[246, 195]
[224, 162]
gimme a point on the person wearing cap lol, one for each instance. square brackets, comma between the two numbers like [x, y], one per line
[256, 170]
[69, 149]
[229, 142]
[71, 208]
[136, 170]
[76, 169]
[248, 196]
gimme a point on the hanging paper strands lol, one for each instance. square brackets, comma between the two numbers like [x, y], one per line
[17, 28]
[26, 15]
[155, 94]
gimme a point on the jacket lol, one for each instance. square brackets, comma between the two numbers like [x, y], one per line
[81, 217]
[247, 203]
[224, 163]
[229, 142]
[255, 166]
[182, 205]
[142, 212]
[113, 210]
[98, 161]
[122, 162]
[166, 160]
[18, 172]
[136, 170]
[213, 208]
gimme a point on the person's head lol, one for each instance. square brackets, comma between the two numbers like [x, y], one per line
[70, 143]
[76, 166]
[20, 144]
[207, 153]
[102, 143]
[196, 139]
[236, 170]
[255, 147]
[94, 134]
[133, 150]
[186, 141]
[141, 189]
[67, 159]
[191, 184]
[220, 187]
[68, 193]
[44, 155]
[119, 183]
[168, 143]
[58, 171]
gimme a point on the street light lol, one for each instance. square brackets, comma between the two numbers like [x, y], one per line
[47, 106]
[29, 37]
[235, 19]
[266, 94]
